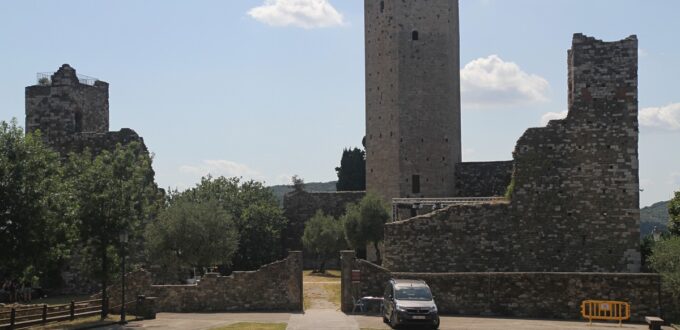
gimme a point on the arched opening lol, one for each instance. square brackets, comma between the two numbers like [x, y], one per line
[414, 35]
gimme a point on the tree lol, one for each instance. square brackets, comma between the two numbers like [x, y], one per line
[192, 234]
[255, 211]
[364, 222]
[352, 170]
[323, 236]
[674, 212]
[665, 260]
[36, 222]
[298, 183]
[114, 192]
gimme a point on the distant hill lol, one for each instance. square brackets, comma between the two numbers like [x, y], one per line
[655, 215]
[281, 190]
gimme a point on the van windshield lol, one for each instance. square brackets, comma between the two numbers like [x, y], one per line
[413, 293]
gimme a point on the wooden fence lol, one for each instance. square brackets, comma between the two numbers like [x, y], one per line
[18, 317]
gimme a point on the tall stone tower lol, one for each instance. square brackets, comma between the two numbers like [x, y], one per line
[412, 97]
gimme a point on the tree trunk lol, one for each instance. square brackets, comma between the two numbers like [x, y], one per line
[105, 274]
[322, 266]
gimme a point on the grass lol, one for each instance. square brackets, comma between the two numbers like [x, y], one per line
[306, 301]
[253, 326]
[333, 293]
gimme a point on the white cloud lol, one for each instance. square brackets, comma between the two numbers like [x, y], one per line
[306, 14]
[553, 115]
[666, 117]
[490, 82]
[222, 168]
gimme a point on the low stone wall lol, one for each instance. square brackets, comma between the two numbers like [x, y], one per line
[274, 287]
[530, 295]
[483, 179]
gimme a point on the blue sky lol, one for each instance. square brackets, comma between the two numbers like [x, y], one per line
[268, 89]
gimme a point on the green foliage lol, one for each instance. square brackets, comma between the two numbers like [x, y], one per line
[114, 192]
[510, 189]
[324, 236]
[666, 260]
[44, 81]
[674, 212]
[298, 183]
[646, 246]
[254, 210]
[36, 226]
[352, 170]
[364, 222]
[192, 234]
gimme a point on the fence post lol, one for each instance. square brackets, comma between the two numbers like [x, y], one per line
[73, 310]
[12, 317]
[44, 316]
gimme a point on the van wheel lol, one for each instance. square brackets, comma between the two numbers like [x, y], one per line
[435, 326]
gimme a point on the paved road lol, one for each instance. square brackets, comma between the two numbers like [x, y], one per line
[330, 319]
[460, 323]
[314, 319]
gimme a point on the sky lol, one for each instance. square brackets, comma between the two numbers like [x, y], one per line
[266, 89]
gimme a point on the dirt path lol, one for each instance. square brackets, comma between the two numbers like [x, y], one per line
[322, 305]
[321, 291]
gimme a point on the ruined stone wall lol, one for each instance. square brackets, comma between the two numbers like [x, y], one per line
[466, 238]
[518, 294]
[63, 106]
[412, 97]
[276, 287]
[576, 195]
[300, 206]
[72, 115]
[575, 203]
[483, 179]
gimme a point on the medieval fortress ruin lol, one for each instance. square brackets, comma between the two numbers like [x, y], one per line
[532, 236]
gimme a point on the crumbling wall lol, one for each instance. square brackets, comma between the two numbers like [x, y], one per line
[276, 287]
[575, 189]
[483, 179]
[63, 105]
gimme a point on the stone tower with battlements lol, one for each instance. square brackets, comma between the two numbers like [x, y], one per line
[63, 104]
[412, 97]
[72, 113]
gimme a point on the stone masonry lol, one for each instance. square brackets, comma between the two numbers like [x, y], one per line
[575, 202]
[73, 114]
[412, 97]
[518, 294]
[274, 287]
[482, 179]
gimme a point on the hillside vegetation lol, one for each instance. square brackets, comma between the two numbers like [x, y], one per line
[654, 215]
